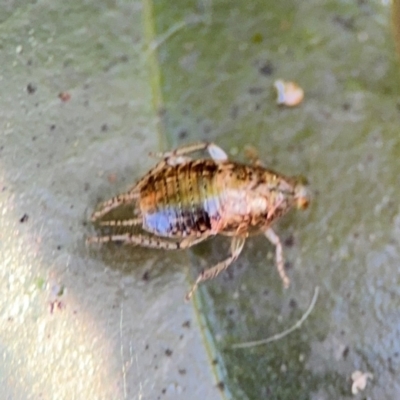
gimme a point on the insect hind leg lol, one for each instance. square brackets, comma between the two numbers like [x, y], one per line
[236, 248]
[113, 203]
[136, 240]
[123, 222]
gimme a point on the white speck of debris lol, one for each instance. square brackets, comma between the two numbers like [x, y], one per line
[289, 93]
[360, 380]
[18, 49]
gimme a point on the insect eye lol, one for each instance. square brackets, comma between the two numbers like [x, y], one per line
[302, 196]
[303, 203]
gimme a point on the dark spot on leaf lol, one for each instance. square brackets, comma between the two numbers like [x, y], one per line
[168, 352]
[146, 276]
[183, 134]
[288, 265]
[31, 88]
[346, 352]
[24, 218]
[289, 241]
[292, 303]
[257, 38]
[266, 69]
[346, 22]
[255, 90]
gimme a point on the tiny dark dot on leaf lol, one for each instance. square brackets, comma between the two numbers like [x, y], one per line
[266, 69]
[31, 88]
[221, 386]
[183, 134]
[186, 324]
[168, 352]
[292, 303]
[146, 276]
[52, 127]
[255, 90]
[24, 218]
[288, 265]
[104, 128]
[289, 241]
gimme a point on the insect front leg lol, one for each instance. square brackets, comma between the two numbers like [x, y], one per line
[280, 262]
[236, 248]
[177, 156]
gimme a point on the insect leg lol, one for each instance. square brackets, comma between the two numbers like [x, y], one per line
[153, 242]
[138, 240]
[116, 201]
[252, 154]
[123, 222]
[192, 240]
[215, 152]
[280, 263]
[124, 198]
[236, 248]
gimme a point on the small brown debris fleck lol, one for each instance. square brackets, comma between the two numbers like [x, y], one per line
[112, 178]
[186, 324]
[64, 96]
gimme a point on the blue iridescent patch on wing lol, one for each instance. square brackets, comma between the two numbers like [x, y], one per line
[160, 222]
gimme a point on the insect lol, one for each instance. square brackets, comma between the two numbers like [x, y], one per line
[183, 201]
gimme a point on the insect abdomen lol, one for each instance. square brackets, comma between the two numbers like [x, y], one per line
[181, 200]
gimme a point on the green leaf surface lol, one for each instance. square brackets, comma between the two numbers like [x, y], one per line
[110, 322]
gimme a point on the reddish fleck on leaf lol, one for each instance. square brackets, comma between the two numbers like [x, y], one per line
[64, 96]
